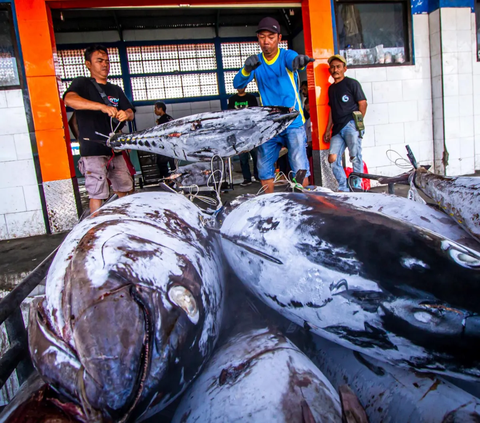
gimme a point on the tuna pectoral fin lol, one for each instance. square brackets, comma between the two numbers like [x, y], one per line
[250, 249]
[352, 410]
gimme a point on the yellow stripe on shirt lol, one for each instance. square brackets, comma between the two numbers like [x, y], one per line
[292, 80]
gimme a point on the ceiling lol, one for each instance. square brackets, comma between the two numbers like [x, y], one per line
[85, 20]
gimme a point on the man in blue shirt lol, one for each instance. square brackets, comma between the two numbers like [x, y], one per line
[275, 71]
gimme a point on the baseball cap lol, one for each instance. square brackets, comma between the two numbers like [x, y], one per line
[337, 57]
[269, 24]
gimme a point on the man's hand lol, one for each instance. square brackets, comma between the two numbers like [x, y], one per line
[121, 116]
[251, 63]
[110, 111]
[327, 136]
[301, 61]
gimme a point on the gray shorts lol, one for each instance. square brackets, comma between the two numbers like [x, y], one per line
[96, 174]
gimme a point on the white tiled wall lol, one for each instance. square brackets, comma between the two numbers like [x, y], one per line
[476, 94]
[20, 208]
[145, 116]
[399, 107]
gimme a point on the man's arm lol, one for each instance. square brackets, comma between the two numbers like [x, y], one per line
[246, 74]
[76, 102]
[362, 107]
[328, 130]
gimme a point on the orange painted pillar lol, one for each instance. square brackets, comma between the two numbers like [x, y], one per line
[319, 44]
[56, 162]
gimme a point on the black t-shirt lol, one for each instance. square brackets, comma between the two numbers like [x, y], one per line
[164, 119]
[91, 121]
[241, 101]
[343, 100]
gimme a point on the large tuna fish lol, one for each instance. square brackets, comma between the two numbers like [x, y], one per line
[415, 213]
[362, 279]
[200, 137]
[459, 197]
[259, 376]
[132, 308]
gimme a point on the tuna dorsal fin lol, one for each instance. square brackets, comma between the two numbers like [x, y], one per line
[352, 410]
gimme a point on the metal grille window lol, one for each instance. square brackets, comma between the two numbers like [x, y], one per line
[8, 59]
[375, 33]
[187, 63]
[71, 63]
[234, 56]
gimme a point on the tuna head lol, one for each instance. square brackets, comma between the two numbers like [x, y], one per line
[139, 320]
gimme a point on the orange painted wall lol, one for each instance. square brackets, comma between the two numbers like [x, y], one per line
[36, 38]
[318, 30]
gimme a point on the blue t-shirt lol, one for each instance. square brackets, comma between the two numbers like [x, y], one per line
[277, 83]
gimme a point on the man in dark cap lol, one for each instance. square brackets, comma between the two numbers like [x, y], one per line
[275, 71]
[163, 161]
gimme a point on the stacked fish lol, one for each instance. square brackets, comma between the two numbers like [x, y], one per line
[374, 291]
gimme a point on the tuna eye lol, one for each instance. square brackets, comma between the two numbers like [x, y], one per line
[462, 255]
[183, 298]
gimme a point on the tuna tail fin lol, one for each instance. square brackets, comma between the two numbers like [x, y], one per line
[352, 410]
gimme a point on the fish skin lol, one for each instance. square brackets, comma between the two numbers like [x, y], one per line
[459, 197]
[203, 136]
[108, 309]
[259, 376]
[369, 282]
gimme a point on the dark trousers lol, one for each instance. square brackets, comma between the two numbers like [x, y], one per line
[245, 165]
[162, 163]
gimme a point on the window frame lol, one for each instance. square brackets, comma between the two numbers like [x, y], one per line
[13, 32]
[407, 27]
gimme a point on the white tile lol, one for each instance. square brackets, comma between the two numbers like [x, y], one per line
[434, 21]
[13, 200]
[375, 157]
[3, 100]
[437, 87]
[448, 18]
[351, 73]
[404, 111]
[367, 90]
[392, 133]
[476, 66]
[467, 146]
[420, 25]
[417, 89]
[450, 63]
[453, 148]
[436, 65]
[419, 131]
[3, 228]
[464, 62]
[7, 148]
[476, 125]
[464, 18]
[422, 68]
[450, 85]
[377, 114]
[438, 129]
[32, 197]
[449, 41]
[435, 44]
[13, 121]
[466, 126]
[465, 105]
[200, 105]
[450, 107]
[369, 137]
[464, 41]
[452, 128]
[17, 173]
[454, 167]
[371, 74]
[425, 154]
[14, 98]
[399, 73]
[23, 146]
[437, 108]
[25, 224]
[468, 166]
[477, 167]
[421, 45]
[424, 110]
[385, 92]
[183, 106]
[465, 85]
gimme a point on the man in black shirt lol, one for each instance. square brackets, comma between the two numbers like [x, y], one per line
[95, 117]
[345, 96]
[163, 161]
[240, 101]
